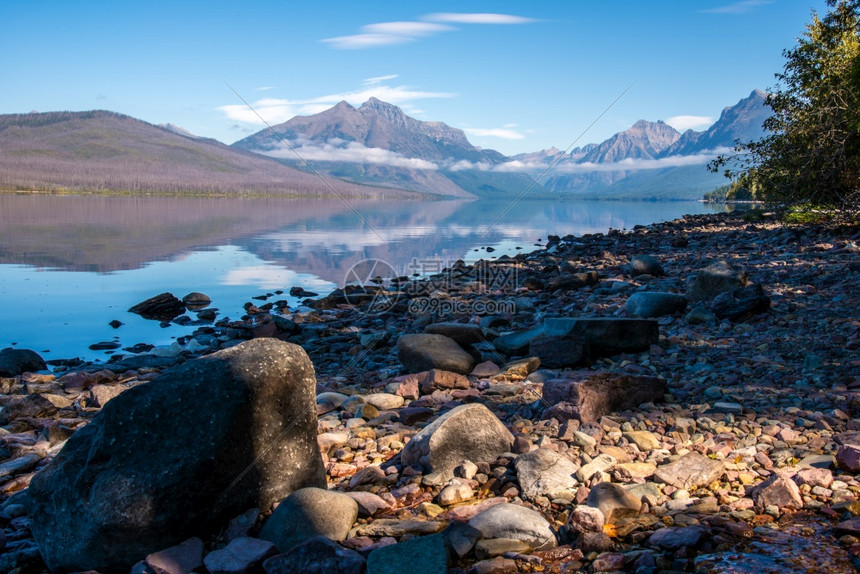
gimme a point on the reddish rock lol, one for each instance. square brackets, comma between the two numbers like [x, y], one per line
[84, 380]
[608, 562]
[848, 457]
[778, 490]
[814, 477]
[179, 559]
[439, 379]
[408, 385]
[485, 369]
[587, 395]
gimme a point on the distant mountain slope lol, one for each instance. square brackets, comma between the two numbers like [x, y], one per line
[643, 140]
[375, 124]
[653, 161]
[741, 122]
[105, 151]
[378, 143]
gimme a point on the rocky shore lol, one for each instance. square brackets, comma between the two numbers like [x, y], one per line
[677, 397]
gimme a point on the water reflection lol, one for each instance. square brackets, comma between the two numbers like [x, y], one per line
[71, 264]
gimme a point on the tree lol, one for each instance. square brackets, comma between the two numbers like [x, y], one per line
[811, 152]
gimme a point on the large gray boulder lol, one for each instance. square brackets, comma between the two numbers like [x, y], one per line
[588, 395]
[423, 351]
[179, 456]
[468, 432]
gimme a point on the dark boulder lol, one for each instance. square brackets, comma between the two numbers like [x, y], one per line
[644, 265]
[607, 335]
[179, 456]
[163, 307]
[741, 304]
[14, 362]
[422, 352]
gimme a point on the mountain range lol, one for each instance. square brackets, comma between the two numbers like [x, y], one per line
[372, 150]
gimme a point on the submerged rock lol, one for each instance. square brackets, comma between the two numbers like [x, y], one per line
[162, 461]
[162, 307]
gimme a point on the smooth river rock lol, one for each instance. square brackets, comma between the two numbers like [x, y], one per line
[422, 352]
[310, 512]
[468, 432]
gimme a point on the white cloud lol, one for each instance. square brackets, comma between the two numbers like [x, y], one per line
[465, 18]
[409, 29]
[502, 133]
[393, 33]
[359, 41]
[378, 79]
[275, 111]
[623, 165]
[350, 152]
[684, 123]
[264, 88]
[466, 164]
[741, 7]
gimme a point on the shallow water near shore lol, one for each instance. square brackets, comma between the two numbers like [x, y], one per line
[71, 264]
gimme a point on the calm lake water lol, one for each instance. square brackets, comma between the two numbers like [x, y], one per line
[69, 265]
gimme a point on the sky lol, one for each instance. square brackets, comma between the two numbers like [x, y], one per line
[516, 76]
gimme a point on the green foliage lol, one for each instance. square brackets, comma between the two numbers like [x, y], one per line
[811, 153]
[753, 215]
[806, 213]
[743, 189]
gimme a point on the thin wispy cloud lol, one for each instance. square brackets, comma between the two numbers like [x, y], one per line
[378, 79]
[485, 18]
[502, 133]
[394, 33]
[275, 110]
[684, 123]
[264, 88]
[741, 7]
[410, 29]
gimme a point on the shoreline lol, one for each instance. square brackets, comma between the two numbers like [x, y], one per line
[775, 393]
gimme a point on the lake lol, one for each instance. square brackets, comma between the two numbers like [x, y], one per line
[69, 265]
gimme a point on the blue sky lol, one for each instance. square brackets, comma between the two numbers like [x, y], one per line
[516, 76]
